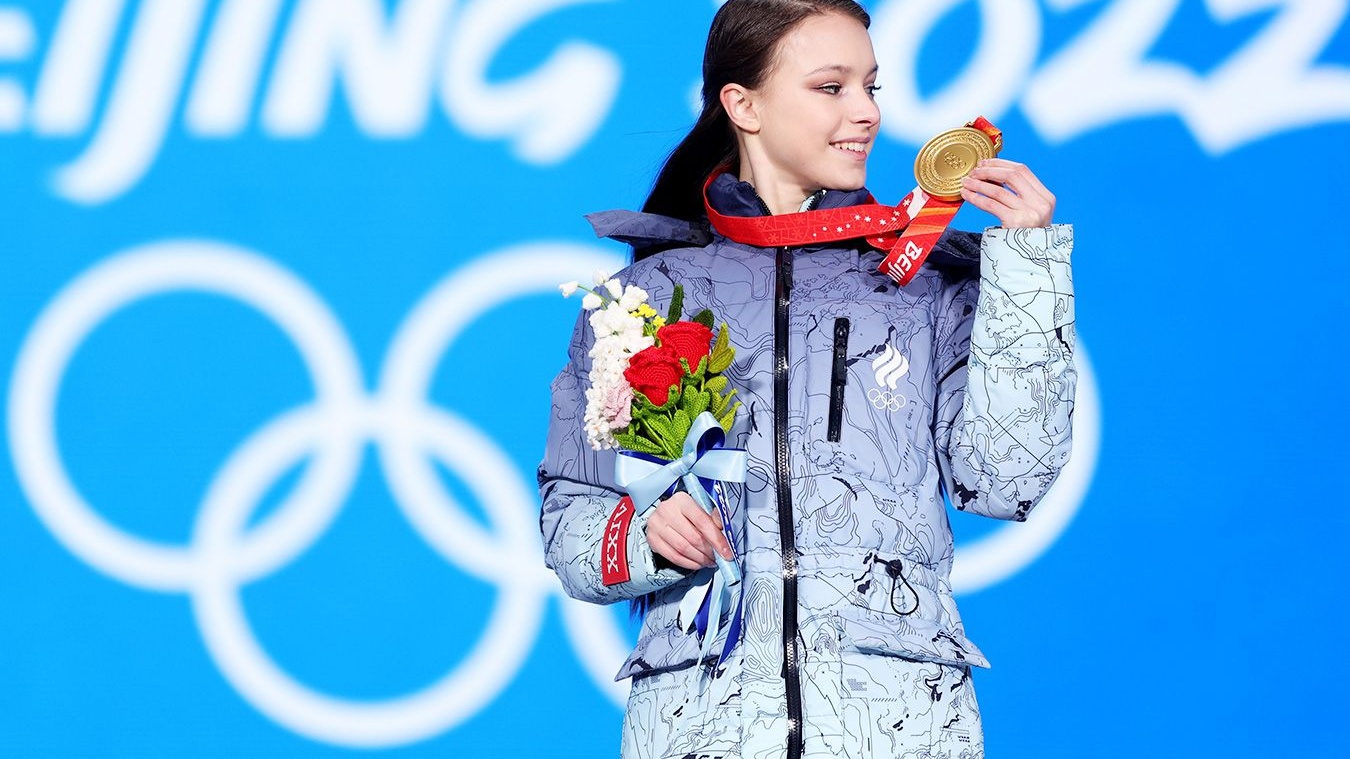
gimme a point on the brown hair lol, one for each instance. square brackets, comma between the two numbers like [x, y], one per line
[741, 49]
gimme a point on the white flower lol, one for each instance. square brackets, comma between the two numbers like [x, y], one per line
[630, 344]
[633, 296]
[602, 321]
[618, 335]
[567, 288]
[613, 320]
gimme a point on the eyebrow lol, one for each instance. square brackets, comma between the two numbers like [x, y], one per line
[835, 67]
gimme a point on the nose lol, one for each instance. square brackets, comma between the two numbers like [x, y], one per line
[865, 111]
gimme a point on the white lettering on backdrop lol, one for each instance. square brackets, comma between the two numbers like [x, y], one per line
[393, 65]
[1104, 76]
[387, 65]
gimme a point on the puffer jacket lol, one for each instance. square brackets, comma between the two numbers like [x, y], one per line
[864, 403]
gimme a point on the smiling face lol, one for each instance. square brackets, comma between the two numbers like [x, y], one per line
[812, 122]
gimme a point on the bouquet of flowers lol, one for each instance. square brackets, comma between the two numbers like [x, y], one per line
[658, 394]
[651, 376]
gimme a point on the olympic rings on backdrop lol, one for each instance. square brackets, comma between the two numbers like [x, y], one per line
[411, 435]
[225, 552]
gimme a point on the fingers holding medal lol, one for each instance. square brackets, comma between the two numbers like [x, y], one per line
[959, 166]
[1010, 191]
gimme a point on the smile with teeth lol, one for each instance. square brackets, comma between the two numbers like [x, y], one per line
[852, 147]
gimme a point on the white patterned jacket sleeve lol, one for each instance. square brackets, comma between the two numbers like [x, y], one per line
[576, 485]
[1003, 427]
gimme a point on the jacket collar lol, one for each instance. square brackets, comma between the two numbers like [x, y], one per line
[733, 197]
[728, 195]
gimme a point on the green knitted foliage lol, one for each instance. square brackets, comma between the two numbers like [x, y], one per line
[660, 427]
[633, 442]
[729, 418]
[698, 372]
[704, 317]
[718, 404]
[680, 425]
[695, 402]
[719, 359]
[676, 305]
[641, 406]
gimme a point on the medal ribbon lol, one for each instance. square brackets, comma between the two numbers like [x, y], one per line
[906, 233]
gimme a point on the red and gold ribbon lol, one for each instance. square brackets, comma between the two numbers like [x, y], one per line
[906, 233]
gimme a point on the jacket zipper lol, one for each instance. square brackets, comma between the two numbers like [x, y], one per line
[786, 537]
[838, 379]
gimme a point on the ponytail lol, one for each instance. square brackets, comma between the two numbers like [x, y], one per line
[678, 191]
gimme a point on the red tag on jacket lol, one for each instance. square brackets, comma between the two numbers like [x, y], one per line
[614, 557]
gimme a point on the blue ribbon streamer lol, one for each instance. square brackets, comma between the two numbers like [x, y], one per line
[702, 467]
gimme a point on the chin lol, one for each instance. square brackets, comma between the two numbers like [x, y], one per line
[853, 180]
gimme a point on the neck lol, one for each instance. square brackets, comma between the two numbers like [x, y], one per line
[780, 197]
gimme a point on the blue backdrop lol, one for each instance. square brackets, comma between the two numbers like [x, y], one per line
[278, 318]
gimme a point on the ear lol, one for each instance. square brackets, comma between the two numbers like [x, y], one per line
[739, 103]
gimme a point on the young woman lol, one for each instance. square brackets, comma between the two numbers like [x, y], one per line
[864, 402]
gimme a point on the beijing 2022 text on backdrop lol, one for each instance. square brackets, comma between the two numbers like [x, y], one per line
[278, 318]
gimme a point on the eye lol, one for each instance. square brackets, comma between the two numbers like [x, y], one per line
[830, 89]
[872, 89]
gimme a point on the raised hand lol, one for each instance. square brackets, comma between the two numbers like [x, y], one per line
[1011, 192]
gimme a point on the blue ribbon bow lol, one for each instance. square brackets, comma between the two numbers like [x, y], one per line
[702, 467]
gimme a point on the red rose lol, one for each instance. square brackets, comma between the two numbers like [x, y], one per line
[652, 371]
[691, 341]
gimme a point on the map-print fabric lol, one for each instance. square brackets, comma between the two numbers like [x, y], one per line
[960, 383]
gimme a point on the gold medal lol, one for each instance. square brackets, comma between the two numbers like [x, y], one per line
[947, 158]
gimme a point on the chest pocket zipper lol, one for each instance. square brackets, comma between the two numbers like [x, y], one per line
[838, 380]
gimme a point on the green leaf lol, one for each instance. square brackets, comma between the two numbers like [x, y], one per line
[729, 418]
[672, 398]
[704, 317]
[720, 361]
[680, 425]
[702, 370]
[676, 305]
[716, 384]
[661, 429]
[716, 404]
[696, 402]
[719, 405]
[702, 402]
[637, 443]
[722, 352]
